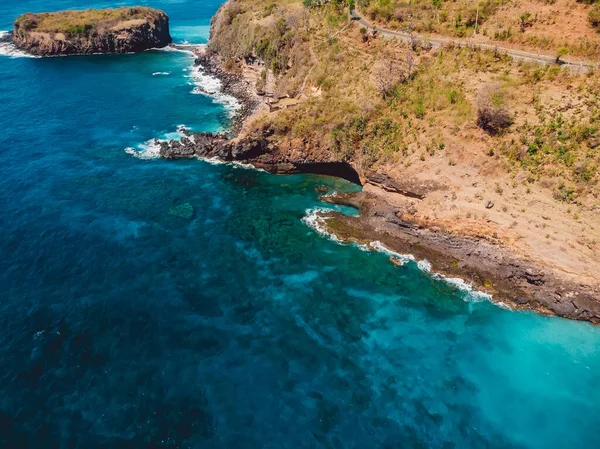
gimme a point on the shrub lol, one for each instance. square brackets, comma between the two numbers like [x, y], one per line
[492, 113]
[79, 30]
[565, 193]
[594, 16]
[27, 22]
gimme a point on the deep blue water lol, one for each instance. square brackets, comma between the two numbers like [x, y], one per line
[126, 325]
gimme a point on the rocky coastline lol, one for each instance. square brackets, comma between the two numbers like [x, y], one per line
[511, 279]
[483, 260]
[234, 85]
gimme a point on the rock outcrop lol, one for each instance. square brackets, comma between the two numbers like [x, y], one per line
[120, 30]
[261, 149]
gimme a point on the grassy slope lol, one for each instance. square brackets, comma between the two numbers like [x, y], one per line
[81, 21]
[428, 113]
[540, 25]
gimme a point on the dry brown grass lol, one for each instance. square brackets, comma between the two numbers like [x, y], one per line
[428, 114]
[539, 25]
[81, 21]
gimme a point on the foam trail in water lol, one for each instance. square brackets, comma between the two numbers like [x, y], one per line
[161, 73]
[7, 48]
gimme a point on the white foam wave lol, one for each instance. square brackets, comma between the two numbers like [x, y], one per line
[316, 222]
[211, 86]
[187, 44]
[182, 128]
[465, 287]
[404, 258]
[425, 265]
[180, 50]
[7, 48]
[147, 150]
[246, 166]
[151, 148]
[161, 73]
[217, 161]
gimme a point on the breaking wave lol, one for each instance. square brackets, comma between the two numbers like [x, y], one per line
[316, 221]
[7, 48]
[205, 84]
[150, 149]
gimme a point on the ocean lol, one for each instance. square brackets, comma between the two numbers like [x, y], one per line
[189, 304]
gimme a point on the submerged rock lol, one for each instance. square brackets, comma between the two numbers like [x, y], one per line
[185, 210]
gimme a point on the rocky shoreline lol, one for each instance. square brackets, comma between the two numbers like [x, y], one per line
[232, 84]
[484, 261]
[260, 148]
[486, 264]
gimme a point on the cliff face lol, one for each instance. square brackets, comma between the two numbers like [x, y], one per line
[121, 30]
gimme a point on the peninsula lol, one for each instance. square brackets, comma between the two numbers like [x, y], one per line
[91, 31]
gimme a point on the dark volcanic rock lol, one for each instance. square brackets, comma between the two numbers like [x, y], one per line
[234, 85]
[208, 145]
[511, 278]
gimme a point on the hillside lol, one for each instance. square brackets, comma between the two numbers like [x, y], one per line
[545, 26]
[454, 144]
[118, 30]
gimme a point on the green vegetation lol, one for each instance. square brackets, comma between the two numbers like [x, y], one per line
[501, 20]
[81, 22]
[594, 16]
[378, 103]
[458, 18]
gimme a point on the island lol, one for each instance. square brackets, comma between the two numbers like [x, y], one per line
[91, 31]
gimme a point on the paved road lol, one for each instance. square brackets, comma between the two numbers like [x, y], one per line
[436, 42]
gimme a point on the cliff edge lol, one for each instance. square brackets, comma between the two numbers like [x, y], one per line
[83, 32]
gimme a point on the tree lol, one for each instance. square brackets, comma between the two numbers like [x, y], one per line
[561, 52]
[492, 112]
[388, 73]
[594, 16]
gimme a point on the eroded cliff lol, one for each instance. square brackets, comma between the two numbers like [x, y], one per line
[119, 30]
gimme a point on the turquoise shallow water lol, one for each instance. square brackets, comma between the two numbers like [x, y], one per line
[125, 325]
